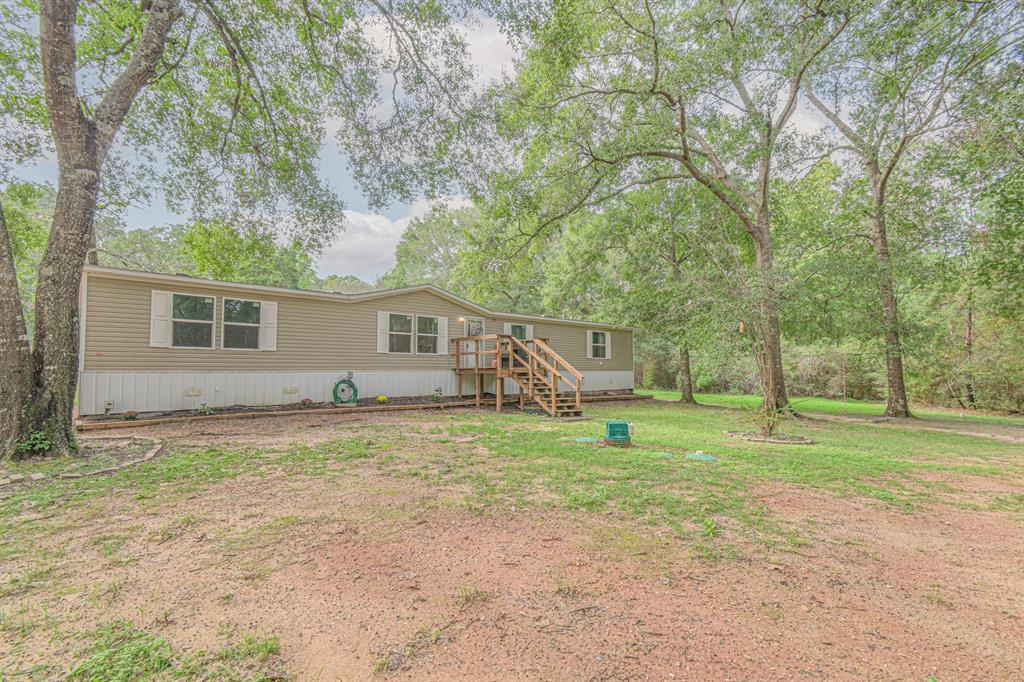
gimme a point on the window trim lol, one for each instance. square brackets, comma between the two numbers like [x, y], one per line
[411, 334]
[591, 345]
[258, 325]
[212, 322]
[469, 320]
[436, 335]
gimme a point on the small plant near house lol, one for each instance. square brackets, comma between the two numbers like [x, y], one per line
[205, 408]
[33, 444]
[382, 400]
[306, 403]
[438, 395]
[130, 415]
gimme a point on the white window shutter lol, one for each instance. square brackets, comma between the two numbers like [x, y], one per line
[590, 344]
[442, 336]
[529, 331]
[382, 331]
[508, 329]
[268, 325]
[607, 345]
[160, 319]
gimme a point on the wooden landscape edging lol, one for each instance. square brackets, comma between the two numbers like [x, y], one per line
[129, 423]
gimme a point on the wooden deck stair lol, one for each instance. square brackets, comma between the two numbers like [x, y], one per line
[535, 367]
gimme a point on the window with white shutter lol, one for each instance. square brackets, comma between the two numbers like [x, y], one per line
[240, 324]
[191, 321]
[268, 325]
[406, 334]
[599, 344]
[160, 319]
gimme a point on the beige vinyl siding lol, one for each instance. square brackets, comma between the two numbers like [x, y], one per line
[570, 341]
[313, 333]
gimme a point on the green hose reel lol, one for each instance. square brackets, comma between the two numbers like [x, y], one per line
[345, 392]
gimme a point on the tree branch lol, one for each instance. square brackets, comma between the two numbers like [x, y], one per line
[141, 66]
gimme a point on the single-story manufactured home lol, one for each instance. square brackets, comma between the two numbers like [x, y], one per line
[156, 342]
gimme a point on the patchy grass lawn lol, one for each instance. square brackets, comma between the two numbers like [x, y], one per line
[865, 408]
[438, 545]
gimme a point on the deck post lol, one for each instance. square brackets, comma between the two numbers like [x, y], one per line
[479, 379]
[499, 391]
[533, 362]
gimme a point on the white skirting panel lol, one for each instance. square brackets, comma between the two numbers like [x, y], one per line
[161, 391]
[608, 380]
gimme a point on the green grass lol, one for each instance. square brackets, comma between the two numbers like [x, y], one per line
[120, 652]
[633, 500]
[710, 504]
[859, 408]
[485, 461]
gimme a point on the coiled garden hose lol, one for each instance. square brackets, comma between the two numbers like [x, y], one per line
[345, 392]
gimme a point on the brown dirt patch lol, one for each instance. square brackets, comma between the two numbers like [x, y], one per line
[1004, 433]
[361, 571]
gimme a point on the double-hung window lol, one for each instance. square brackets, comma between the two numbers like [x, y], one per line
[427, 330]
[191, 321]
[411, 334]
[399, 333]
[187, 321]
[598, 342]
[241, 320]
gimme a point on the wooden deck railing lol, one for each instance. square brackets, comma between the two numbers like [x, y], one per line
[531, 363]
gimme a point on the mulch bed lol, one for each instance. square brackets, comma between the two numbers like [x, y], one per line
[426, 401]
[778, 439]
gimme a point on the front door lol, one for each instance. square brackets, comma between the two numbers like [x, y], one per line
[474, 327]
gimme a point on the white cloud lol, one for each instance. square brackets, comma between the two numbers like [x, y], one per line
[489, 50]
[366, 248]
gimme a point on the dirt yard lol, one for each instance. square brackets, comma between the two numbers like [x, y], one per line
[377, 566]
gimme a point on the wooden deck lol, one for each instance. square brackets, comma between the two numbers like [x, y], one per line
[535, 367]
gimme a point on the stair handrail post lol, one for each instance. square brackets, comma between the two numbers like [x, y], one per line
[554, 393]
[530, 373]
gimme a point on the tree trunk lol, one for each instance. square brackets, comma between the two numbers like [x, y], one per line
[969, 352]
[685, 381]
[896, 404]
[55, 350]
[15, 354]
[768, 329]
[81, 144]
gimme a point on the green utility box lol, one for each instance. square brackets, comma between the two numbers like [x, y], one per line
[616, 432]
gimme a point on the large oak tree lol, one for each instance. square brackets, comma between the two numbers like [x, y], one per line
[613, 96]
[903, 73]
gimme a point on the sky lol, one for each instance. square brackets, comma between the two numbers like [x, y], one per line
[366, 247]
